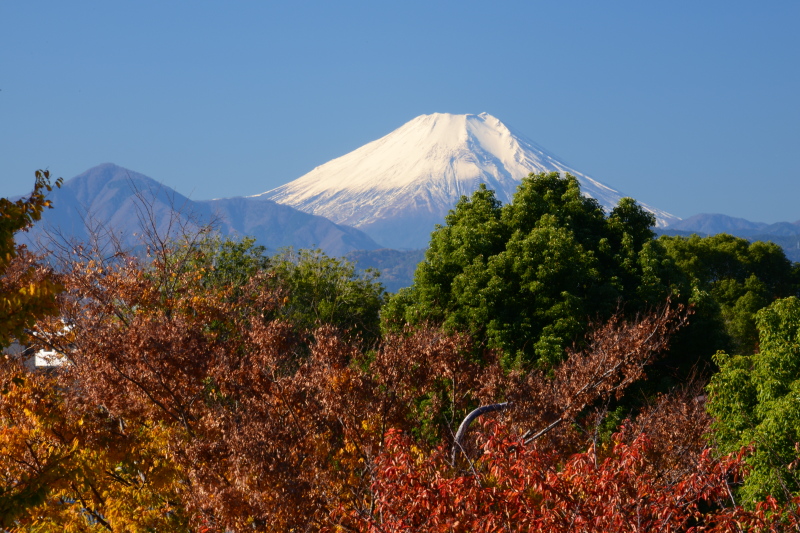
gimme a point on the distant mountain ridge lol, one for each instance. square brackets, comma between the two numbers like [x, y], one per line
[393, 190]
[398, 187]
[717, 223]
[114, 198]
[714, 223]
[784, 234]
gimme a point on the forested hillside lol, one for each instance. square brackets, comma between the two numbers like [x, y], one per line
[784, 234]
[552, 368]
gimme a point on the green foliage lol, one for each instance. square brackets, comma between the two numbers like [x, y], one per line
[316, 289]
[728, 279]
[327, 290]
[756, 399]
[525, 277]
[233, 263]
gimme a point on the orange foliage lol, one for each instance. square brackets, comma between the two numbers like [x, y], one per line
[187, 405]
[259, 433]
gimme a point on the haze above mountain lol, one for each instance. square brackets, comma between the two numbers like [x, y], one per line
[398, 187]
[109, 198]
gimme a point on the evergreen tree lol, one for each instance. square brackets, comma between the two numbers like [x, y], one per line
[728, 279]
[526, 277]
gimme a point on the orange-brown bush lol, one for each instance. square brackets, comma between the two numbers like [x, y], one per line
[218, 412]
[257, 432]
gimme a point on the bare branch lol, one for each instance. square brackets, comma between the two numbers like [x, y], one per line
[464, 426]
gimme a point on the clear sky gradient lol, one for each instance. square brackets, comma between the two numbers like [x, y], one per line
[692, 107]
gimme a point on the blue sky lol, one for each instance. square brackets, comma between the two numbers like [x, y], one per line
[688, 106]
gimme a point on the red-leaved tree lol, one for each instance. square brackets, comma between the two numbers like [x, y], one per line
[517, 487]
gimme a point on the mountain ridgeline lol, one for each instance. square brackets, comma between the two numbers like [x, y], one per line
[397, 188]
[109, 201]
[377, 205]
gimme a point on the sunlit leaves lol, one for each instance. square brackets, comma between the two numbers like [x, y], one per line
[756, 399]
[27, 290]
[525, 277]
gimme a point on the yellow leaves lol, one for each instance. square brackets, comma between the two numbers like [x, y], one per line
[419, 455]
[30, 290]
[340, 380]
[27, 293]
[71, 455]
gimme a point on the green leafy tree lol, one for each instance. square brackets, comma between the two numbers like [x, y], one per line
[233, 262]
[327, 290]
[525, 277]
[755, 399]
[727, 279]
[318, 289]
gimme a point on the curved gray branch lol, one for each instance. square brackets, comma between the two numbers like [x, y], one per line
[462, 429]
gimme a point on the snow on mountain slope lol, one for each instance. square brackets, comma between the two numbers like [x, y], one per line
[398, 187]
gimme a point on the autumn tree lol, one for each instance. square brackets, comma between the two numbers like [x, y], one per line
[657, 473]
[188, 384]
[513, 487]
[187, 367]
[26, 289]
[67, 465]
[63, 466]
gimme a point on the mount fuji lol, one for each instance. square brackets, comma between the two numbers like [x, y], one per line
[395, 189]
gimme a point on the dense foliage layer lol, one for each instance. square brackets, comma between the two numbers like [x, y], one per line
[727, 279]
[754, 399]
[527, 276]
[209, 387]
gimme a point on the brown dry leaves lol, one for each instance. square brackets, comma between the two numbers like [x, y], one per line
[261, 431]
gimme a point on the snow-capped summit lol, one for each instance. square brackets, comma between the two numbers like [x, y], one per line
[398, 187]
